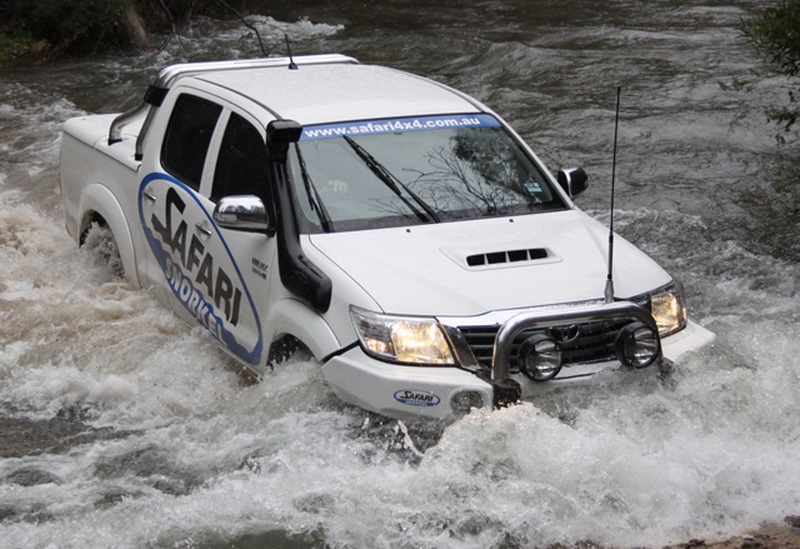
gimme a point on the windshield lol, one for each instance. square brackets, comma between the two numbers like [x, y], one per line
[387, 173]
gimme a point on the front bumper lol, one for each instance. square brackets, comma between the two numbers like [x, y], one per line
[404, 391]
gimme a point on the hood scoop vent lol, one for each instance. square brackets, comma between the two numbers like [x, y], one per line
[506, 257]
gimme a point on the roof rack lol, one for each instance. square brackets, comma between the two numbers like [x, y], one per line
[155, 94]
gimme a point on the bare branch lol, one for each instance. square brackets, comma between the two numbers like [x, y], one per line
[246, 24]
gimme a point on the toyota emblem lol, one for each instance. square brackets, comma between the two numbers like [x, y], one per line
[565, 334]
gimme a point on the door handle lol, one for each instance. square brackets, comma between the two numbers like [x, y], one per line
[203, 229]
[148, 195]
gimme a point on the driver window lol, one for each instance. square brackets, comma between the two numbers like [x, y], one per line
[241, 163]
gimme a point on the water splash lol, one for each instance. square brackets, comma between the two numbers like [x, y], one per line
[144, 434]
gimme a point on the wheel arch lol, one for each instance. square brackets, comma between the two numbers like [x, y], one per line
[293, 324]
[99, 205]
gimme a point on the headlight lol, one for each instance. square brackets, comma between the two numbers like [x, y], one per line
[669, 309]
[405, 339]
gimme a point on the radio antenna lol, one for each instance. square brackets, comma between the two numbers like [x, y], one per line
[292, 65]
[609, 293]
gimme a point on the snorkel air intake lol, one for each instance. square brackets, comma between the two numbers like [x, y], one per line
[298, 273]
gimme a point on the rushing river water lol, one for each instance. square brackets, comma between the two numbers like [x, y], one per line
[122, 427]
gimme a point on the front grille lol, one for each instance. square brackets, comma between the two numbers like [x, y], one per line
[594, 344]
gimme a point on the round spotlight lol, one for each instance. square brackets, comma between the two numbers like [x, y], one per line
[540, 357]
[638, 345]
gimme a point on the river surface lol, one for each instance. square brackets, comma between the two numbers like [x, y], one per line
[122, 427]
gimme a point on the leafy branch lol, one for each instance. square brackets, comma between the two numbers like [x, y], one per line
[775, 34]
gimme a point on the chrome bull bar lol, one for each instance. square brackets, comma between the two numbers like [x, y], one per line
[501, 354]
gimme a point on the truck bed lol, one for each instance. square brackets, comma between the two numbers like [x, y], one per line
[97, 177]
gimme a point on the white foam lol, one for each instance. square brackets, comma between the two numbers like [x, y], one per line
[191, 455]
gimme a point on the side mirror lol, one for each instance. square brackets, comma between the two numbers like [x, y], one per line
[573, 180]
[243, 213]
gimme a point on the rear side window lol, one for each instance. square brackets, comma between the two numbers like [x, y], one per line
[187, 138]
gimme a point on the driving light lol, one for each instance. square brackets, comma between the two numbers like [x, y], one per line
[637, 345]
[408, 340]
[540, 358]
[464, 401]
[669, 310]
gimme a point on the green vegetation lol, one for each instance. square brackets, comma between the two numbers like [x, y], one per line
[14, 44]
[775, 34]
[43, 29]
[47, 27]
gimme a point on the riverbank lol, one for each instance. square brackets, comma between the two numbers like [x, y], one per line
[768, 536]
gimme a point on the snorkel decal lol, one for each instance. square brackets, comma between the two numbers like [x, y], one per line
[211, 288]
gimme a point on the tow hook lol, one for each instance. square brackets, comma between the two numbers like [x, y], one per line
[506, 392]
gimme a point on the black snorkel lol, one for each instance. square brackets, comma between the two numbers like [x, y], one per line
[298, 273]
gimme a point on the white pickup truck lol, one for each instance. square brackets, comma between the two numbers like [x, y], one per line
[397, 229]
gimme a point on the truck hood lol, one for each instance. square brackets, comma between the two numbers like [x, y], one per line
[473, 267]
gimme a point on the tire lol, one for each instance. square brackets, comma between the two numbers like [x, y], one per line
[98, 241]
[286, 348]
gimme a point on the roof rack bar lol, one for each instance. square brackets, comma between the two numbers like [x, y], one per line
[168, 75]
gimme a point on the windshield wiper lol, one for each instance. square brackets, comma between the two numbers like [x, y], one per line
[313, 196]
[393, 183]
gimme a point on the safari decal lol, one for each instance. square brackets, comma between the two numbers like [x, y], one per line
[201, 272]
[414, 397]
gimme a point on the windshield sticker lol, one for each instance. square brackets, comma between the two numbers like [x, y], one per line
[533, 187]
[204, 278]
[398, 125]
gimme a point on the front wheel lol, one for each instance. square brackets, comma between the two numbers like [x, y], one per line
[286, 348]
[98, 241]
